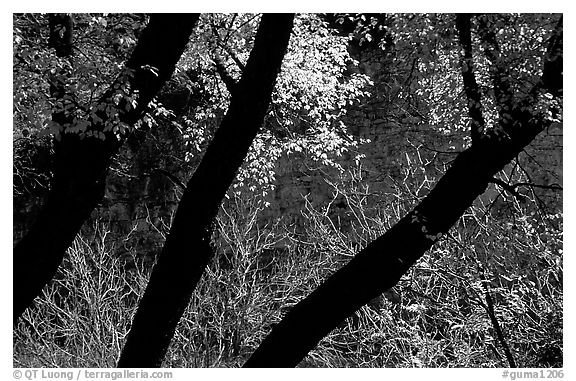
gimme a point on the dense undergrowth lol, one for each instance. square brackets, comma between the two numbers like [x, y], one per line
[506, 264]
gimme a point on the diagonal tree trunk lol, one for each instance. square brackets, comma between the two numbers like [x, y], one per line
[187, 249]
[81, 164]
[380, 265]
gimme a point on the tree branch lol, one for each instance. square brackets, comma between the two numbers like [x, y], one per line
[61, 31]
[509, 188]
[498, 69]
[60, 39]
[552, 77]
[175, 180]
[225, 76]
[541, 186]
[227, 49]
[470, 86]
[495, 323]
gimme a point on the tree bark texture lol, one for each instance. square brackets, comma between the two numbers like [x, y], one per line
[382, 263]
[187, 250]
[81, 163]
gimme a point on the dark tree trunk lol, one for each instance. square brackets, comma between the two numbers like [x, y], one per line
[61, 32]
[60, 39]
[470, 86]
[81, 164]
[380, 265]
[187, 249]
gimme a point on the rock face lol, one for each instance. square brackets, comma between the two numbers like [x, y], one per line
[390, 133]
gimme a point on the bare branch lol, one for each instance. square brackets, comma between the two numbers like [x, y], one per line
[509, 188]
[541, 186]
[227, 49]
[495, 323]
[173, 178]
